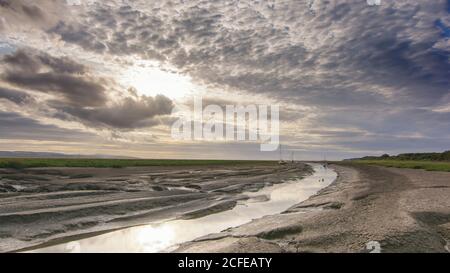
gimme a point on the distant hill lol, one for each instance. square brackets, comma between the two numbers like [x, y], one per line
[445, 156]
[21, 154]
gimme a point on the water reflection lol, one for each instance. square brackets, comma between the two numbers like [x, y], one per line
[166, 236]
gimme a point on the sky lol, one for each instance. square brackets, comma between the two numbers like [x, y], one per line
[104, 77]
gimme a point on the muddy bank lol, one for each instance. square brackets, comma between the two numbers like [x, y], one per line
[165, 236]
[41, 205]
[403, 210]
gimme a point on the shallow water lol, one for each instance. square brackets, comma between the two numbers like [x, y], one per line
[163, 237]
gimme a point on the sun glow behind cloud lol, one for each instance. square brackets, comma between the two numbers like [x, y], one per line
[149, 79]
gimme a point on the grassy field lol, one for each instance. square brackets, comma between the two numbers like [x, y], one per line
[21, 163]
[425, 165]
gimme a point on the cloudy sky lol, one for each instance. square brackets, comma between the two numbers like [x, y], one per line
[103, 77]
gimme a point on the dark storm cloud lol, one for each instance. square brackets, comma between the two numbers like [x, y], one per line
[22, 61]
[29, 15]
[28, 62]
[33, 12]
[77, 91]
[16, 96]
[58, 76]
[79, 36]
[22, 7]
[129, 113]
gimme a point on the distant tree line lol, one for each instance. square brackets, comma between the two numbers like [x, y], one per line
[445, 156]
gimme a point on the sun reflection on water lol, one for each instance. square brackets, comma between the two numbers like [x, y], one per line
[155, 239]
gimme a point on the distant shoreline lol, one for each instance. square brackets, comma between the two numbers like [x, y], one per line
[22, 163]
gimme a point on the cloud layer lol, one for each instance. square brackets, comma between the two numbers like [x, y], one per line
[372, 78]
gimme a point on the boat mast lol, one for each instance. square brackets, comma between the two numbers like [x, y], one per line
[281, 154]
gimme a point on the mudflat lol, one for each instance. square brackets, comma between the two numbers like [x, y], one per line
[46, 205]
[368, 208]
